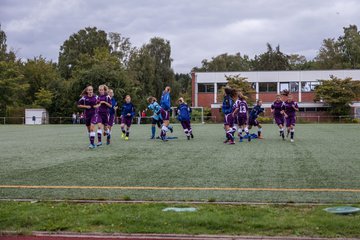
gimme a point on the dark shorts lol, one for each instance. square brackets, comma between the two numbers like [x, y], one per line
[279, 120]
[157, 122]
[126, 120]
[186, 124]
[229, 120]
[103, 118]
[253, 122]
[111, 120]
[290, 120]
[165, 115]
[91, 119]
[241, 120]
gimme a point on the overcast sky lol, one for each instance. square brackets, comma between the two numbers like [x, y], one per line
[197, 29]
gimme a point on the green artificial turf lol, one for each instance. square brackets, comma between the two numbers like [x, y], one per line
[323, 156]
[246, 220]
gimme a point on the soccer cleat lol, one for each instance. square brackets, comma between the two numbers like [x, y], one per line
[126, 138]
[260, 137]
[99, 144]
[122, 135]
[92, 146]
[249, 138]
[226, 141]
[188, 137]
[231, 142]
[152, 137]
[171, 129]
[292, 140]
[192, 136]
[108, 142]
[164, 138]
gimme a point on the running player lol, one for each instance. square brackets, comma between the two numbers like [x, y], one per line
[127, 115]
[112, 114]
[184, 116]
[290, 108]
[253, 117]
[277, 110]
[241, 115]
[88, 102]
[227, 109]
[103, 112]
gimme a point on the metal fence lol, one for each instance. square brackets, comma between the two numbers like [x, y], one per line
[197, 119]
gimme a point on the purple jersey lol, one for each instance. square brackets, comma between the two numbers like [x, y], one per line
[289, 108]
[103, 107]
[242, 106]
[277, 107]
[89, 101]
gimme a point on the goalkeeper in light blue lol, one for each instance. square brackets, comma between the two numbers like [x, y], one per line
[165, 103]
[156, 117]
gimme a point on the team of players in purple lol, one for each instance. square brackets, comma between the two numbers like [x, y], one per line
[238, 117]
[100, 110]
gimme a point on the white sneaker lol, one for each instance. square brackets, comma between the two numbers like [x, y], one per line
[291, 140]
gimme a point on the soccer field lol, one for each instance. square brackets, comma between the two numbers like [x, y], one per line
[53, 162]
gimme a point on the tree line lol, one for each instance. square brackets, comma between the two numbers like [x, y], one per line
[93, 57]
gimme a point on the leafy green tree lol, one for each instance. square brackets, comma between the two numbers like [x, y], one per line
[160, 51]
[330, 56]
[43, 98]
[13, 87]
[241, 85]
[297, 62]
[40, 74]
[225, 62]
[349, 45]
[101, 68]
[338, 93]
[84, 41]
[121, 47]
[271, 60]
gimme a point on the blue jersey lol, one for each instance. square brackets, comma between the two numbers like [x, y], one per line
[113, 105]
[227, 106]
[165, 101]
[184, 112]
[256, 111]
[126, 109]
[155, 108]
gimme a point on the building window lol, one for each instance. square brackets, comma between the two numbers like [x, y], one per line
[205, 88]
[308, 86]
[267, 87]
[290, 86]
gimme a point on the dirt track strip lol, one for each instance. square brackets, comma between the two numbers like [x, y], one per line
[186, 188]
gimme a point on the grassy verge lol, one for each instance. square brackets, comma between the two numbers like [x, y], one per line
[269, 220]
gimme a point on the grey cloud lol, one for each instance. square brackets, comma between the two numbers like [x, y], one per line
[197, 29]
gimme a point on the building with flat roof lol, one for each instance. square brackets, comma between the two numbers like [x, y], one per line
[206, 87]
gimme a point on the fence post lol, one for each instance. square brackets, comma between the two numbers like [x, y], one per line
[339, 119]
[60, 120]
[4, 120]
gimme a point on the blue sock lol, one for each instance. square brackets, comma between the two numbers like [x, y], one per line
[153, 129]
